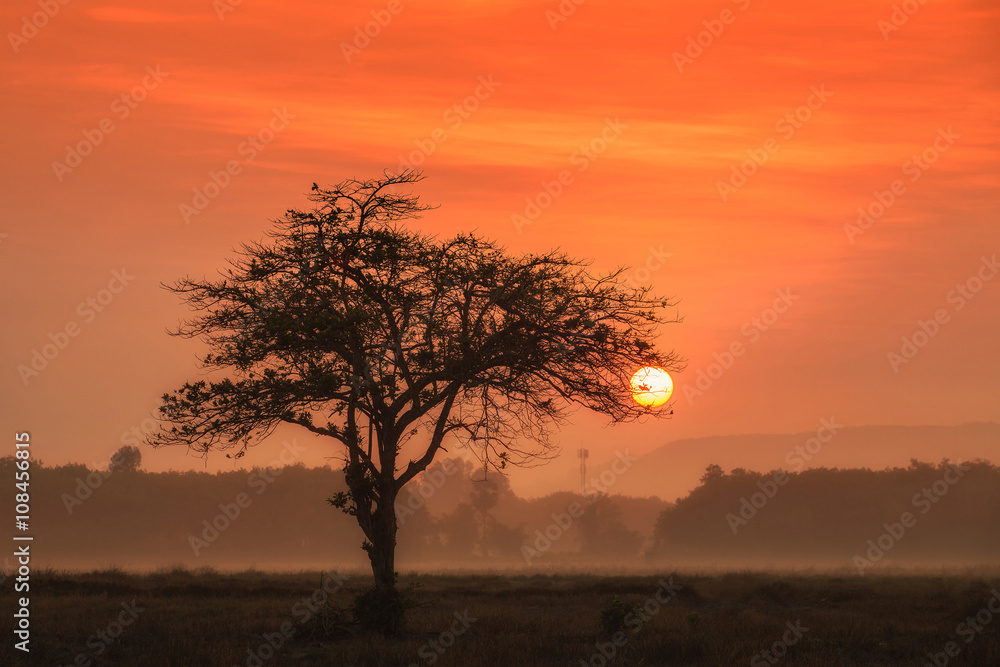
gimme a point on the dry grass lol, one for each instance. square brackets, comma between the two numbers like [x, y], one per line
[205, 618]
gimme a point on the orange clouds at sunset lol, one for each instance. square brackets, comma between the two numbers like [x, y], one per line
[816, 183]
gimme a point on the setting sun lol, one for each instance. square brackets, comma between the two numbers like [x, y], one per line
[651, 386]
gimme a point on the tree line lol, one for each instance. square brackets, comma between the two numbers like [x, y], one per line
[123, 515]
[949, 512]
[455, 515]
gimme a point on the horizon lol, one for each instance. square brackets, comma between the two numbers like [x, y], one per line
[568, 474]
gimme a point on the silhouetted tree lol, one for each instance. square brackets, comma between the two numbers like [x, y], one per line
[603, 533]
[501, 540]
[712, 472]
[349, 324]
[126, 459]
[460, 529]
[831, 514]
[494, 536]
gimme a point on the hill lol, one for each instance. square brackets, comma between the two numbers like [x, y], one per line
[674, 470]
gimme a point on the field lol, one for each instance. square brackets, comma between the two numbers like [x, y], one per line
[207, 619]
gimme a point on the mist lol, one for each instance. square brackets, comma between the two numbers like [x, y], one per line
[455, 517]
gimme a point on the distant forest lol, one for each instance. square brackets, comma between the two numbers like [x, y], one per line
[281, 518]
[924, 513]
[83, 518]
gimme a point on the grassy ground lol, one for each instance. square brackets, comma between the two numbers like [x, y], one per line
[206, 619]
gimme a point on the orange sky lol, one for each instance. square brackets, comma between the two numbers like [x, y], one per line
[659, 132]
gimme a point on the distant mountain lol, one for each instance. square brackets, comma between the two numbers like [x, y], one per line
[674, 469]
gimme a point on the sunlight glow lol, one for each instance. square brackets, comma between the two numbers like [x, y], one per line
[651, 386]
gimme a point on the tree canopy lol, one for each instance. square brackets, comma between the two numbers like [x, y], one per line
[348, 322]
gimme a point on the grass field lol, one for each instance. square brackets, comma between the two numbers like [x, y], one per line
[205, 619]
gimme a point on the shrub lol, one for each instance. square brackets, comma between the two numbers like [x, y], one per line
[381, 610]
[613, 615]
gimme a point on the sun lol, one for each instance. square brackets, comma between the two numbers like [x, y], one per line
[651, 386]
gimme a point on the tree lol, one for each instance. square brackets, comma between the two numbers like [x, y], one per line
[127, 459]
[460, 529]
[486, 493]
[712, 472]
[604, 534]
[351, 325]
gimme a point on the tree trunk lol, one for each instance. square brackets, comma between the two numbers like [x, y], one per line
[383, 538]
